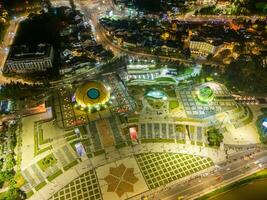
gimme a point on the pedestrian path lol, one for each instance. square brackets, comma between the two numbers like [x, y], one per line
[114, 154]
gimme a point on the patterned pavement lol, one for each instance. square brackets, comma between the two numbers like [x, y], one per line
[83, 188]
[162, 168]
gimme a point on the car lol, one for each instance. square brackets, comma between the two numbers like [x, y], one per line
[256, 162]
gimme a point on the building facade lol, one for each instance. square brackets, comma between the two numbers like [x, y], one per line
[25, 59]
[202, 49]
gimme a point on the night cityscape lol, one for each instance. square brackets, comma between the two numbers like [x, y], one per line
[133, 99]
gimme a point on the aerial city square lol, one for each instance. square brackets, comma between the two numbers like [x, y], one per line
[133, 99]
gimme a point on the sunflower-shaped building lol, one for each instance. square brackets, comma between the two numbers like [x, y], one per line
[92, 94]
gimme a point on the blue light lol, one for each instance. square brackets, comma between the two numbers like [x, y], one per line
[264, 123]
[93, 93]
[264, 126]
[156, 94]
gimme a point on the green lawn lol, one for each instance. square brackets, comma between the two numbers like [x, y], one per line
[47, 161]
[70, 165]
[99, 152]
[28, 194]
[2, 195]
[73, 137]
[38, 140]
[259, 175]
[83, 130]
[188, 71]
[52, 177]
[156, 104]
[192, 129]
[180, 128]
[41, 137]
[170, 92]
[165, 79]
[40, 186]
[70, 133]
[133, 119]
[173, 104]
[159, 140]
[118, 146]
[40, 151]
[180, 141]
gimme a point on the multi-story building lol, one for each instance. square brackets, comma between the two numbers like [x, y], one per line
[205, 2]
[202, 49]
[25, 59]
[142, 72]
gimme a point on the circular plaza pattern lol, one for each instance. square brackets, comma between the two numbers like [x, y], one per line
[92, 94]
[205, 94]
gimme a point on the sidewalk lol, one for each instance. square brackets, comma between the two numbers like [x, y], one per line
[117, 154]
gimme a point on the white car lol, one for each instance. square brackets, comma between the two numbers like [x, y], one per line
[256, 162]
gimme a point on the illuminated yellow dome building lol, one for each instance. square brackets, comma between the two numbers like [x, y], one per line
[92, 94]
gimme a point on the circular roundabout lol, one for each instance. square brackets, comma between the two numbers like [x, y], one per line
[92, 94]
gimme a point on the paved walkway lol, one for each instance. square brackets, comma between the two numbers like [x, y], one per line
[116, 154]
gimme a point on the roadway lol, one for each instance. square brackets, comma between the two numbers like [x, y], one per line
[7, 41]
[242, 165]
[93, 9]
[93, 13]
[4, 49]
[214, 18]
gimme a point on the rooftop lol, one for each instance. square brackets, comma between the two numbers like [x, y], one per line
[22, 52]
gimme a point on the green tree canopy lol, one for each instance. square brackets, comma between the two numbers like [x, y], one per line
[214, 137]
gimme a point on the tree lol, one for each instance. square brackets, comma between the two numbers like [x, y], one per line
[238, 48]
[2, 179]
[10, 162]
[5, 176]
[14, 192]
[214, 137]
[1, 163]
[244, 71]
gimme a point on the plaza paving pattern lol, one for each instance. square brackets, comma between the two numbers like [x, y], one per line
[121, 180]
[131, 176]
[161, 168]
[83, 188]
